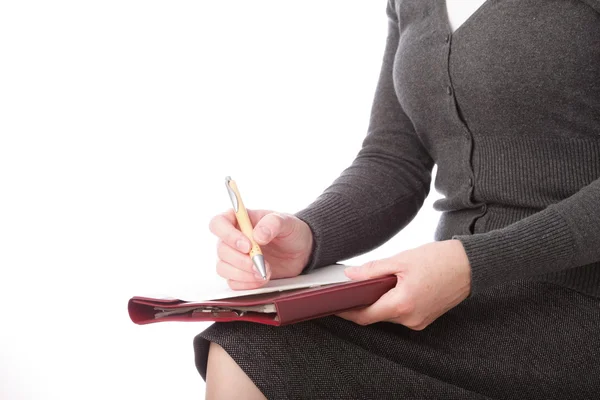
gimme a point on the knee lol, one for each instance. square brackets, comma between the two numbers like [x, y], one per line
[217, 355]
[225, 379]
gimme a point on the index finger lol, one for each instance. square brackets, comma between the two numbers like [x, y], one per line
[383, 309]
[224, 227]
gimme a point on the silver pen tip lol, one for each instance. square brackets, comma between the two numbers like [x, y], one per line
[259, 262]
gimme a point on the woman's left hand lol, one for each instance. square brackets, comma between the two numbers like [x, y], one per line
[432, 279]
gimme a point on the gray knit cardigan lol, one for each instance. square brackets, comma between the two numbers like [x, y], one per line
[508, 108]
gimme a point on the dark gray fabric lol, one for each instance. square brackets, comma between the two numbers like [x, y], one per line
[508, 107]
[521, 340]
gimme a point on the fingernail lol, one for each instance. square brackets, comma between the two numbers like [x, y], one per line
[351, 270]
[258, 276]
[242, 245]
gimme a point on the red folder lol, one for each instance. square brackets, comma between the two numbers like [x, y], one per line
[275, 308]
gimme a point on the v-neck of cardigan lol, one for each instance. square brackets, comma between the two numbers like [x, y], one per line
[466, 23]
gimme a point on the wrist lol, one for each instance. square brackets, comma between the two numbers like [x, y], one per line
[310, 246]
[462, 266]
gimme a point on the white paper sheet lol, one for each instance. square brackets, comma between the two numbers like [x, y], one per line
[321, 276]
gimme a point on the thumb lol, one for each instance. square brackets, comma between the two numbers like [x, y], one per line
[271, 226]
[372, 269]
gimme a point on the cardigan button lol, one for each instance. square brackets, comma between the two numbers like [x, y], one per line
[449, 90]
[447, 38]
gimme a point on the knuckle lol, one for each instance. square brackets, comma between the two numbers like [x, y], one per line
[418, 327]
[280, 223]
[231, 237]
[405, 307]
[370, 266]
[232, 284]
[213, 224]
[220, 269]
[247, 263]
[274, 221]
[415, 323]
[225, 253]
[405, 302]
[220, 248]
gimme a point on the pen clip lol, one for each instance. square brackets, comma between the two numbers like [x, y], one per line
[232, 194]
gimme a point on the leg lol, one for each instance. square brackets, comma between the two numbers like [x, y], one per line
[226, 380]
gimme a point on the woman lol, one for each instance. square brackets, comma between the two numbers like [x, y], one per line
[506, 302]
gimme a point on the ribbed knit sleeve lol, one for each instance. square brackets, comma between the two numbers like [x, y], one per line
[386, 184]
[562, 236]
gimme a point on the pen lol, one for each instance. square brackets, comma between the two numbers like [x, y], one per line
[245, 225]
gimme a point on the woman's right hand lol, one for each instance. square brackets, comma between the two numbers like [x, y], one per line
[285, 240]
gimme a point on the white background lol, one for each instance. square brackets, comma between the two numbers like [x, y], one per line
[119, 120]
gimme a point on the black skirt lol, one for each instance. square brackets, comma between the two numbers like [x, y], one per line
[523, 340]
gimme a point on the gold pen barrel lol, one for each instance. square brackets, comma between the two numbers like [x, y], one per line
[245, 224]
